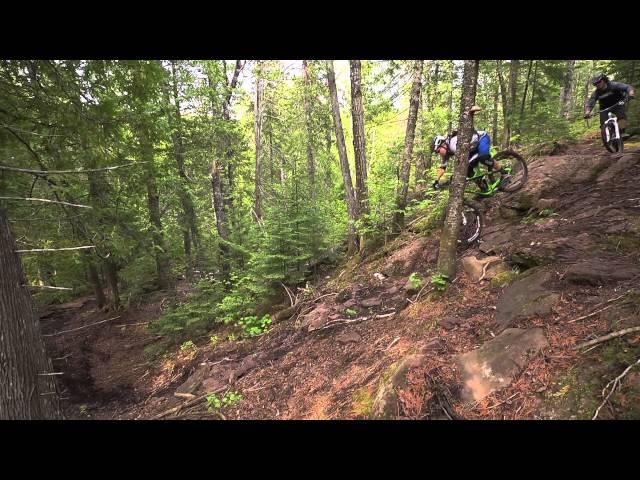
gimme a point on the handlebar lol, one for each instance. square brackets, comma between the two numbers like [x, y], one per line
[620, 103]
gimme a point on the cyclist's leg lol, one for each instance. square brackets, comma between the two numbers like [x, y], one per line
[474, 159]
[621, 113]
[441, 169]
[603, 118]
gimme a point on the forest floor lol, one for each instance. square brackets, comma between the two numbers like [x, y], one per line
[365, 347]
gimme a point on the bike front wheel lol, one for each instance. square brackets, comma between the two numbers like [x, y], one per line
[471, 223]
[613, 145]
[516, 171]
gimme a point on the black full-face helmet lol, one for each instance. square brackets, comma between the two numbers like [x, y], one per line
[598, 77]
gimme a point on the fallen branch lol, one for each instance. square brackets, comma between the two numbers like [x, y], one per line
[132, 324]
[57, 172]
[187, 404]
[45, 201]
[289, 294]
[322, 296]
[339, 321]
[80, 328]
[225, 359]
[46, 287]
[602, 310]
[50, 374]
[392, 344]
[595, 341]
[504, 401]
[55, 249]
[616, 383]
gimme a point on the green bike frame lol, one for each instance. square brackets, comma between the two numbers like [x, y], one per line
[492, 186]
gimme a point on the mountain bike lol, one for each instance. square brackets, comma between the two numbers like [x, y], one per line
[511, 178]
[610, 132]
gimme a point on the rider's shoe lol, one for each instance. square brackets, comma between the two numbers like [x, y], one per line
[436, 185]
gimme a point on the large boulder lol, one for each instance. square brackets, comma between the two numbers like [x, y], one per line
[193, 383]
[525, 298]
[474, 267]
[596, 272]
[498, 362]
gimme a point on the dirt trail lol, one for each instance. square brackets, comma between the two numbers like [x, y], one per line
[577, 220]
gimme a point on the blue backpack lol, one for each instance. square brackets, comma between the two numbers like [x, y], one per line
[484, 144]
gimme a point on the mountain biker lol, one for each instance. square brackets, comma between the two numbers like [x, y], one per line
[479, 152]
[608, 93]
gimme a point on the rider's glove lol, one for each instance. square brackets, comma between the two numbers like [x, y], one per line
[587, 114]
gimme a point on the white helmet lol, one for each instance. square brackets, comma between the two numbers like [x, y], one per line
[439, 140]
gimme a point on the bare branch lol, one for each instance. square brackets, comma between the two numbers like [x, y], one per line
[47, 287]
[80, 328]
[55, 249]
[616, 383]
[46, 201]
[58, 172]
[601, 310]
[595, 341]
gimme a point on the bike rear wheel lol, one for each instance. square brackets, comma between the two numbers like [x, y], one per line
[471, 223]
[516, 168]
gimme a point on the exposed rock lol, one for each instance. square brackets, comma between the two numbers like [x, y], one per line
[316, 318]
[474, 267]
[249, 363]
[498, 362]
[385, 404]
[351, 337]
[194, 381]
[371, 302]
[392, 291]
[450, 322]
[547, 203]
[525, 298]
[350, 303]
[596, 272]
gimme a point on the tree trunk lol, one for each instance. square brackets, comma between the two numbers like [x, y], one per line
[112, 279]
[405, 167]
[352, 206]
[188, 223]
[26, 391]
[432, 90]
[221, 223]
[526, 88]
[359, 148]
[223, 152]
[450, 111]
[258, 118]
[494, 126]
[506, 134]
[567, 89]
[311, 162]
[535, 84]
[153, 203]
[451, 229]
[420, 168]
[94, 278]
